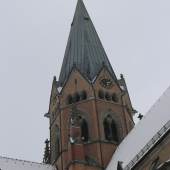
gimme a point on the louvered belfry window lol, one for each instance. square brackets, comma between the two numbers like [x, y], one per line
[84, 130]
[110, 129]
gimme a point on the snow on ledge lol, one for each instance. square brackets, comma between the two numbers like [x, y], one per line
[142, 133]
[15, 164]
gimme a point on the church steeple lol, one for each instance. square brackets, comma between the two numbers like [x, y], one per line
[88, 119]
[84, 49]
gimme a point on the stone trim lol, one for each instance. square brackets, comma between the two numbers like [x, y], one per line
[83, 163]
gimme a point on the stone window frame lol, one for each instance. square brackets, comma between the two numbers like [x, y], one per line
[86, 117]
[110, 129]
[118, 122]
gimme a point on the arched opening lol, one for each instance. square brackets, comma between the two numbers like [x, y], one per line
[83, 95]
[114, 131]
[84, 131]
[107, 96]
[114, 98]
[69, 99]
[101, 94]
[107, 129]
[76, 97]
[110, 129]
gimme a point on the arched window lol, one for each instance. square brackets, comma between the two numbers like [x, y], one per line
[107, 129]
[69, 99]
[114, 98]
[114, 131]
[108, 96]
[76, 97]
[84, 130]
[110, 129]
[83, 95]
[101, 94]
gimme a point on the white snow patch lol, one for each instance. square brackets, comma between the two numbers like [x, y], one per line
[142, 133]
[15, 164]
[122, 87]
[94, 79]
[59, 89]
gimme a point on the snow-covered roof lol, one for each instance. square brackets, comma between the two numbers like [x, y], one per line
[15, 164]
[157, 117]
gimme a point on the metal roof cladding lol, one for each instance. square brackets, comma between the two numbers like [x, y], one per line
[84, 49]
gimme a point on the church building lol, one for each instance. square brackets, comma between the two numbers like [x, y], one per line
[91, 115]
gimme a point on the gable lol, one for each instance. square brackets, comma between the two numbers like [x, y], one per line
[75, 83]
[104, 74]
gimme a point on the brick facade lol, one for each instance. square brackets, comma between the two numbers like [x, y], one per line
[96, 152]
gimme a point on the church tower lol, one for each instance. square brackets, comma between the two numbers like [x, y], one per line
[90, 111]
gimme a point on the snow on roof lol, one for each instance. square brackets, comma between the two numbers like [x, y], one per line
[142, 133]
[59, 89]
[15, 164]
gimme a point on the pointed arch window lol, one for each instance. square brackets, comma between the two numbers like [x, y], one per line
[84, 130]
[114, 131]
[76, 97]
[110, 129]
[101, 94]
[114, 98]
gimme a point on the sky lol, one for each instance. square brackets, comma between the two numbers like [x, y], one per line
[33, 37]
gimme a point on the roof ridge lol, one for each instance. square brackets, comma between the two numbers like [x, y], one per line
[149, 145]
[25, 161]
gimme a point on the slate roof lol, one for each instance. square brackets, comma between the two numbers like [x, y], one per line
[144, 135]
[84, 49]
[15, 164]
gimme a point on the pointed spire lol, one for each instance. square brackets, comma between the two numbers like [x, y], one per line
[84, 48]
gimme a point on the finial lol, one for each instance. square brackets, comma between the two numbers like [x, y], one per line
[121, 76]
[54, 78]
[47, 141]
[46, 158]
[140, 116]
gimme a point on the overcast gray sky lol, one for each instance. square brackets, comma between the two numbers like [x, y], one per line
[33, 36]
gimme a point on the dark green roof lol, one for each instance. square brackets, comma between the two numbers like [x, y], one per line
[84, 49]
